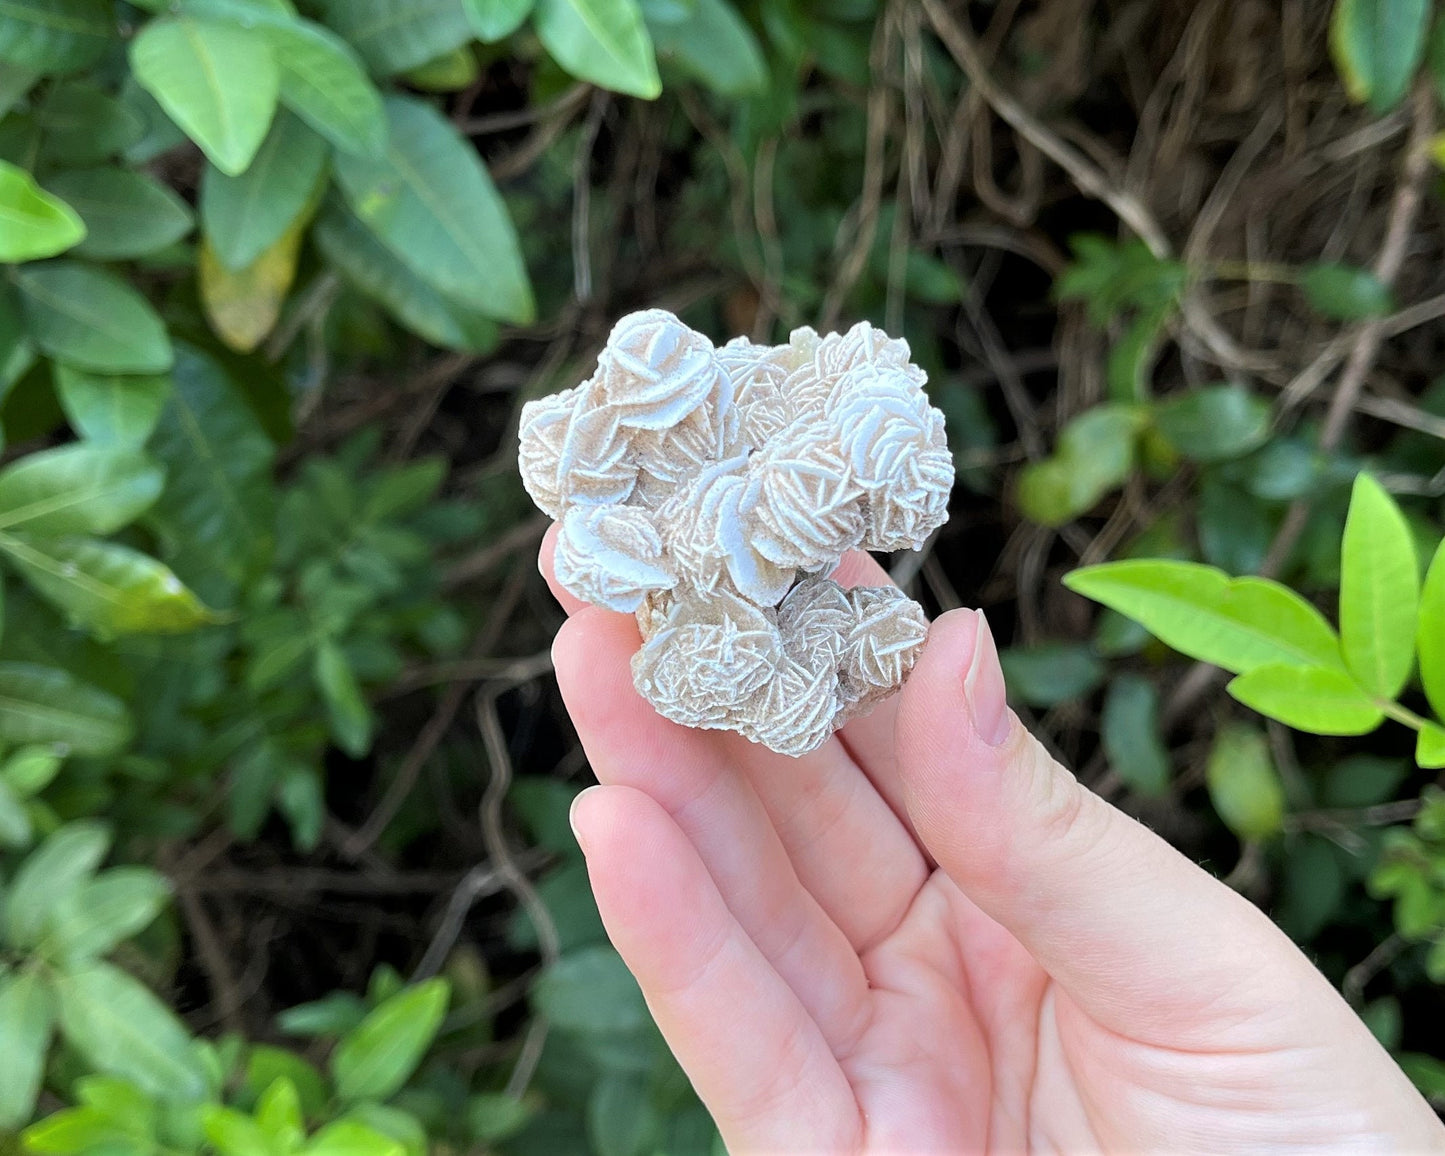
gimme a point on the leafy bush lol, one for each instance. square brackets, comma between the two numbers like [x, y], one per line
[277, 280]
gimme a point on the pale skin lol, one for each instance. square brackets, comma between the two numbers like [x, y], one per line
[918, 940]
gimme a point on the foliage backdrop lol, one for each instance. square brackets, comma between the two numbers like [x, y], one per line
[284, 861]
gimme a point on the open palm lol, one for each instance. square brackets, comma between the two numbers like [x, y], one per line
[914, 941]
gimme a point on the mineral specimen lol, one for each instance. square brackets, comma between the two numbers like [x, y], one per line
[711, 491]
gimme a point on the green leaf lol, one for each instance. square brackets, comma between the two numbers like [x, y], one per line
[279, 1114]
[324, 83]
[1312, 888]
[243, 307]
[449, 73]
[55, 35]
[233, 1133]
[93, 918]
[602, 41]
[378, 1056]
[15, 82]
[27, 1018]
[1236, 623]
[31, 769]
[715, 45]
[432, 203]
[1316, 699]
[114, 412]
[83, 124]
[1131, 735]
[1345, 292]
[91, 318]
[126, 213]
[351, 719]
[1377, 46]
[1214, 423]
[621, 1118]
[77, 489]
[396, 35]
[40, 704]
[1379, 590]
[494, 20]
[301, 797]
[56, 868]
[243, 216]
[1095, 454]
[348, 1138]
[1362, 781]
[122, 1029]
[80, 1132]
[591, 991]
[219, 82]
[493, 1116]
[379, 273]
[1430, 747]
[15, 827]
[1243, 783]
[33, 223]
[105, 587]
[217, 506]
[1430, 633]
[1051, 672]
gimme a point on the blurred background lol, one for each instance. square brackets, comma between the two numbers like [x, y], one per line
[284, 775]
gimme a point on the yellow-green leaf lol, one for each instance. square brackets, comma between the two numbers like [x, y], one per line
[1320, 700]
[33, 223]
[1236, 623]
[1379, 590]
[1430, 634]
[1430, 747]
[376, 1058]
[243, 307]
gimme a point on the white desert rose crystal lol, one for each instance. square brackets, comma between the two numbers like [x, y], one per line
[709, 490]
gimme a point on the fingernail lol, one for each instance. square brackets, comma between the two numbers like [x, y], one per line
[572, 818]
[983, 688]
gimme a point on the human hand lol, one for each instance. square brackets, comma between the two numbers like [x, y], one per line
[927, 937]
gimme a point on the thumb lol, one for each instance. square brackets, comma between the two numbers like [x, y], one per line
[1138, 935]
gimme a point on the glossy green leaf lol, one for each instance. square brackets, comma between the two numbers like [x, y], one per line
[1430, 633]
[1095, 454]
[1130, 732]
[94, 917]
[77, 489]
[58, 867]
[104, 586]
[1379, 590]
[219, 82]
[395, 35]
[40, 704]
[122, 1029]
[379, 273]
[351, 719]
[79, 1131]
[114, 412]
[715, 45]
[27, 1018]
[1236, 623]
[1430, 747]
[1377, 45]
[1050, 672]
[324, 82]
[494, 20]
[126, 213]
[1214, 422]
[82, 123]
[1243, 783]
[1319, 700]
[55, 35]
[432, 203]
[602, 41]
[89, 317]
[217, 506]
[279, 1114]
[33, 222]
[1345, 292]
[376, 1058]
